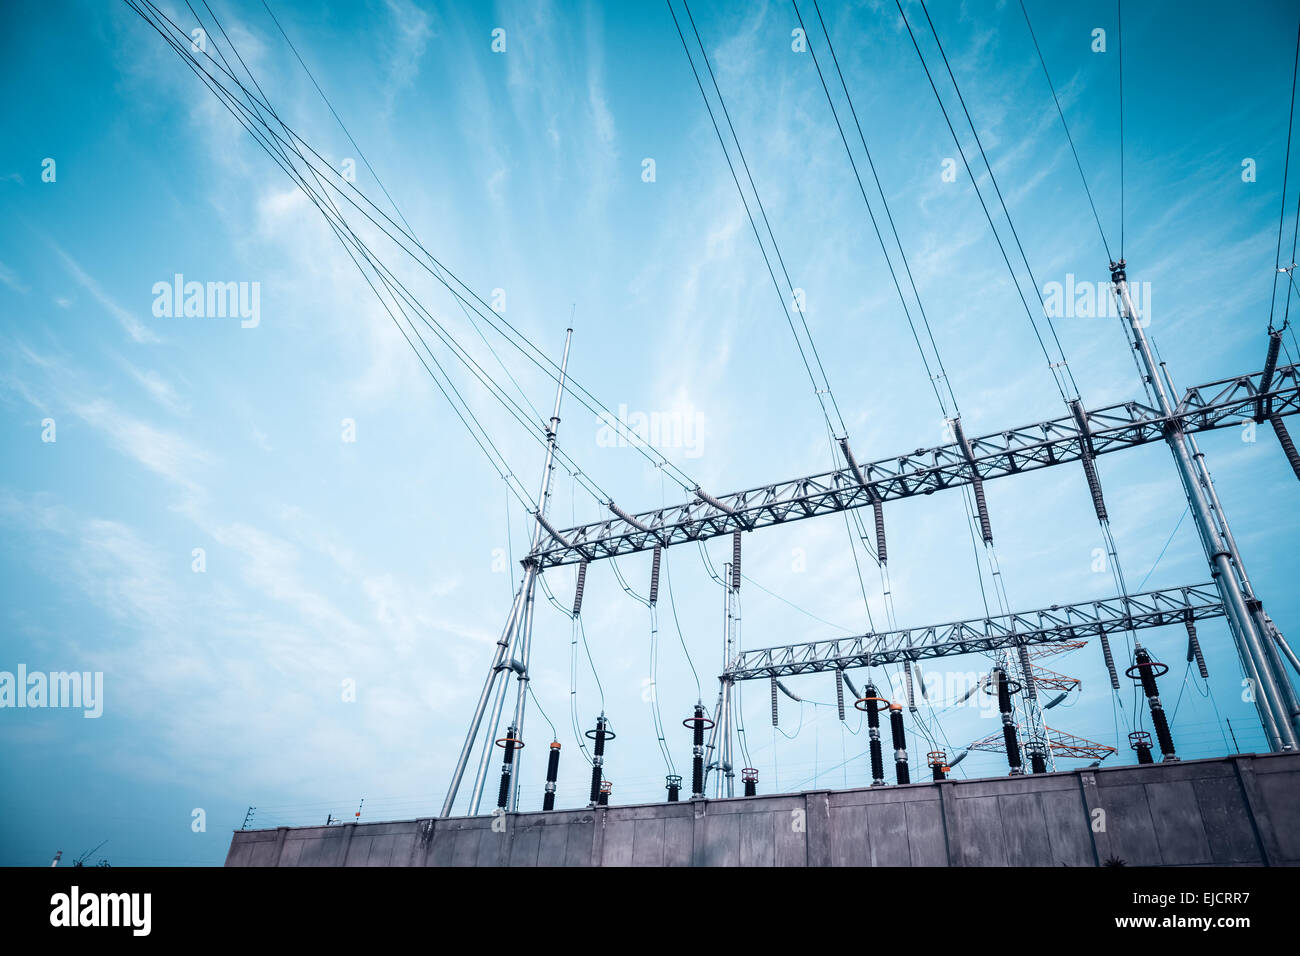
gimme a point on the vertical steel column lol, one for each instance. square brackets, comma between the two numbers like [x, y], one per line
[498, 657]
[543, 499]
[1273, 642]
[725, 784]
[494, 721]
[520, 619]
[1249, 644]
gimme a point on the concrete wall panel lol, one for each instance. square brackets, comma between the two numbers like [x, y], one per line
[1238, 810]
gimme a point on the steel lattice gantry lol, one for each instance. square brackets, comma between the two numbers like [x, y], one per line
[922, 472]
[1060, 622]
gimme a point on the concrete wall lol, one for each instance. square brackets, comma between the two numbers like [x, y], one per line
[1239, 810]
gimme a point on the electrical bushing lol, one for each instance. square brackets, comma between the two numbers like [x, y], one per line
[552, 774]
[1145, 671]
[872, 704]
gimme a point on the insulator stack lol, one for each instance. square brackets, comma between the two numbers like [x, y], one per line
[872, 705]
[1104, 640]
[1145, 671]
[1027, 669]
[938, 761]
[1004, 692]
[839, 693]
[577, 593]
[911, 692]
[900, 743]
[1088, 456]
[599, 735]
[697, 725]
[654, 575]
[1284, 437]
[1140, 741]
[981, 505]
[1094, 487]
[606, 788]
[510, 743]
[552, 774]
[1037, 751]
[735, 561]
[1194, 646]
[878, 507]
[1266, 379]
[775, 714]
[750, 777]
[976, 483]
[674, 787]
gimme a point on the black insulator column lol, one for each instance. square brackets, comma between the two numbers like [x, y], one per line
[1194, 646]
[750, 777]
[938, 761]
[976, 482]
[1110, 660]
[900, 743]
[775, 713]
[598, 756]
[1288, 446]
[674, 787]
[870, 698]
[878, 507]
[577, 592]
[696, 724]
[1145, 671]
[1028, 670]
[503, 795]
[654, 575]
[552, 773]
[1037, 751]
[839, 693]
[606, 788]
[735, 561]
[1088, 458]
[1004, 692]
[1262, 408]
[1140, 741]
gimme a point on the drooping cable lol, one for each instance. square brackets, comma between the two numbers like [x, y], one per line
[1065, 126]
[433, 266]
[1286, 168]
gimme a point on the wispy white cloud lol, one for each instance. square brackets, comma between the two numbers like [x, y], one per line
[11, 279]
[164, 453]
[133, 326]
[413, 29]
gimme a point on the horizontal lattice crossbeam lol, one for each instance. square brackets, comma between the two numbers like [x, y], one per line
[921, 472]
[1060, 622]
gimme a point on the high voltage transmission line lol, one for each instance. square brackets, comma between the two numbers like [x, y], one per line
[1011, 639]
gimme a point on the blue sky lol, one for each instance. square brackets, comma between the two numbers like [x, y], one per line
[379, 561]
